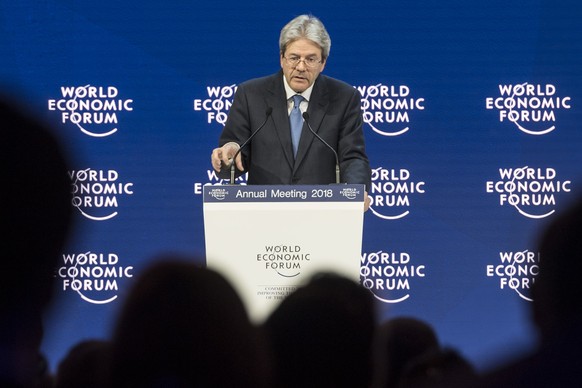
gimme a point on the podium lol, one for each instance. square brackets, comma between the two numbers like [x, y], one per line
[269, 240]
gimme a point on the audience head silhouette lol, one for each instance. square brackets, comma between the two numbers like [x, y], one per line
[184, 325]
[556, 312]
[400, 341]
[321, 335]
[556, 290]
[441, 367]
[35, 203]
[85, 366]
[35, 217]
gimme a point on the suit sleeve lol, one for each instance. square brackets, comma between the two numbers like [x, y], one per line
[237, 127]
[354, 163]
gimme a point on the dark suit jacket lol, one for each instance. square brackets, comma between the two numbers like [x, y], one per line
[334, 113]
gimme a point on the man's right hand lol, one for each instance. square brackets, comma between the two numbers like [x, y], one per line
[222, 157]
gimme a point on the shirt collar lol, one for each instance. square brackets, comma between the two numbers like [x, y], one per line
[290, 92]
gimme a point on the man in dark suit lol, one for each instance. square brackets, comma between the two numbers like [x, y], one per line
[273, 156]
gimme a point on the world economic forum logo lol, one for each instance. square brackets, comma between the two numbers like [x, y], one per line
[516, 271]
[93, 276]
[387, 108]
[390, 275]
[218, 193]
[392, 192]
[287, 261]
[530, 107]
[96, 193]
[533, 192]
[93, 109]
[216, 103]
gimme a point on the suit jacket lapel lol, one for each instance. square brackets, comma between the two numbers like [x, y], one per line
[317, 109]
[278, 100]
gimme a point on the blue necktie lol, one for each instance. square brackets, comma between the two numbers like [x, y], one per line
[296, 122]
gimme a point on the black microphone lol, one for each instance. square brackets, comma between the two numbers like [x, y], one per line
[268, 112]
[337, 169]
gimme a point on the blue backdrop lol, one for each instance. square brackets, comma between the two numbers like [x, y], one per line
[472, 129]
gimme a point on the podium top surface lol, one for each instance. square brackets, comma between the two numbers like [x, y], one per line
[284, 193]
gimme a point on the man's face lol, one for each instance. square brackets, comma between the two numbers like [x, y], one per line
[301, 76]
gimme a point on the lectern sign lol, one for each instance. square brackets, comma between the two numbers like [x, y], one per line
[267, 240]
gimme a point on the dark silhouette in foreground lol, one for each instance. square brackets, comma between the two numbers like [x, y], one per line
[556, 310]
[321, 335]
[35, 219]
[181, 326]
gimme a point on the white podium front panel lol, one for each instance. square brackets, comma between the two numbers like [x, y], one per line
[268, 240]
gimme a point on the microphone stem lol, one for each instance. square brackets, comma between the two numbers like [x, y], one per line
[232, 172]
[243, 145]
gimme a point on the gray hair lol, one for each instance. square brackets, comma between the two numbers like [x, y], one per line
[308, 27]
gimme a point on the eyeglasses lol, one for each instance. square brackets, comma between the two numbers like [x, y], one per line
[294, 60]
